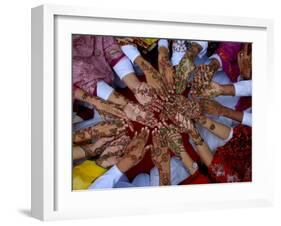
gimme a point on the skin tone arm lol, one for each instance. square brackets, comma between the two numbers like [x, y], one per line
[201, 147]
[186, 67]
[214, 108]
[152, 76]
[219, 129]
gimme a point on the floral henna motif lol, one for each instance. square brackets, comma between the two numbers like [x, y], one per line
[173, 139]
[102, 129]
[183, 72]
[137, 113]
[92, 150]
[161, 157]
[147, 97]
[154, 79]
[166, 70]
[180, 108]
[135, 150]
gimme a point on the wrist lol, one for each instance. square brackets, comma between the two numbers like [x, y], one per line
[123, 165]
[214, 65]
[227, 90]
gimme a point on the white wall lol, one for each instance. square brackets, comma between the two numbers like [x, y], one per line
[15, 111]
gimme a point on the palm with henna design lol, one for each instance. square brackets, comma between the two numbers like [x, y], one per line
[135, 150]
[183, 72]
[161, 157]
[147, 97]
[113, 152]
[102, 129]
[172, 138]
[137, 113]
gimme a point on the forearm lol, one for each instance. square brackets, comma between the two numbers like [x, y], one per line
[232, 114]
[117, 98]
[78, 153]
[188, 162]
[80, 94]
[219, 129]
[148, 70]
[204, 152]
[131, 81]
[227, 90]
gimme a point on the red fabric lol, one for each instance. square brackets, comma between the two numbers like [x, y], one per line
[243, 103]
[197, 178]
[92, 60]
[228, 54]
[233, 161]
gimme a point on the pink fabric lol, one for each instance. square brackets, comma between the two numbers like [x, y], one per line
[228, 53]
[92, 60]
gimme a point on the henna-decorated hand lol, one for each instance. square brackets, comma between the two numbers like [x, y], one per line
[137, 113]
[153, 78]
[211, 90]
[203, 77]
[183, 72]
[245, 61]
[212, 107]
[113, 152]
[166, 69]
[180, 105]
[147, 97]
[161, 157]
[92, 150]
[135, 150]
[102, 129]
[173, 138]
[102, 106]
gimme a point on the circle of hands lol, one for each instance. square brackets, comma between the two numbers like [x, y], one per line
[161, 95]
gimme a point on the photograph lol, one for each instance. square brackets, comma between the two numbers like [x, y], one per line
[150, 111]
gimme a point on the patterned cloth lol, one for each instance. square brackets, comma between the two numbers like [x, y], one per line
[227, 52]
[92, 60]
[233, 161]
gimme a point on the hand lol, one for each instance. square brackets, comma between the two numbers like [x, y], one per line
[212, 107]
[92, 150]
[113, 152]
[166, 69]
[211, 90]
[153, 78]
[178, 104]
[135, 151]
[203, 77]
[189, 127]
[108, 108]
[183, 72]
[102, 129]
[172, 138]
[146, 96]
[137, 113]
[161, 157]
[245, 62]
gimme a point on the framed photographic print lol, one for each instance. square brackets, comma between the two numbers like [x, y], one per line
[136, 112]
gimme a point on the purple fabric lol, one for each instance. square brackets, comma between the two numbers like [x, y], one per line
[92, 60]
[228, 53]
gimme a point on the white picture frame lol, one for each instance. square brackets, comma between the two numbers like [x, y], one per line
[52, 197]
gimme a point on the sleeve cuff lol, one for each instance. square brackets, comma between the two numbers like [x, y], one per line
[163, 43]
[247, 119]
[131, 52]
[217, 57]
[176, 58]
[104, 90]
[107, 180]
[243, 88]
[123, 67]
[204, 46]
